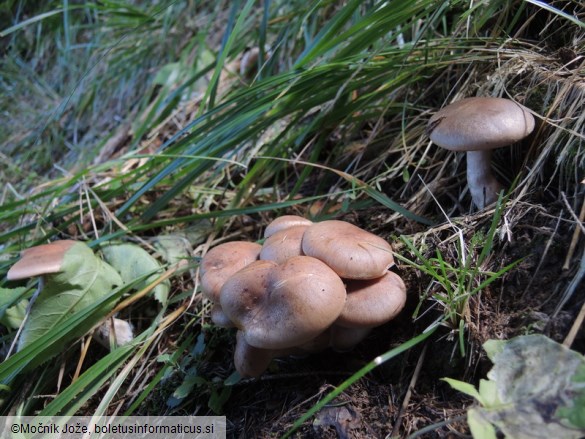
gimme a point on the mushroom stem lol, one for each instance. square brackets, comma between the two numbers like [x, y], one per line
[483, 185]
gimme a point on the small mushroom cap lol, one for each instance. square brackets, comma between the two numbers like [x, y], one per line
[39, 260]
[372, 302]
[123, 332]
[480, 123]
[282, 306]
[285, 222]
[283, 244]
[351, 252]
[222, 261]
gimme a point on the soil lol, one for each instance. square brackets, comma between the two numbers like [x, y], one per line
[522, 301]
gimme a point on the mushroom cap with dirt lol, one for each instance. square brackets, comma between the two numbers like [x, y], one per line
[350, 251]
[283, 306]
[478, 125]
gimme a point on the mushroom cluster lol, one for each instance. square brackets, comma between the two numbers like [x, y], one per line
[308, 287]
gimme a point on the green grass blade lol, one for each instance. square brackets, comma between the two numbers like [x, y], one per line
[361, 373]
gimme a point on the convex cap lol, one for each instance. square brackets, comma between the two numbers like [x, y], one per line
[222, 261]
[285, 222]
[351, 252]
[40, 260]
[283, 245]
[283, 306]
[372, 302]
[480, 123]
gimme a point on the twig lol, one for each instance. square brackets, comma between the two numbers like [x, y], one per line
[411, 385]
[543, 257]
[570, 338]
[578, 228]
[433, 427]
[572, 286]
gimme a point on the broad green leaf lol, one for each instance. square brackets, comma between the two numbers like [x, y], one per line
[82, 281]
[576, 413]
[535, 390]
[10, 297]
[53, 341]
[479, 426]
[14, 316]
[133, 263]
[488, 391]
[173, 248]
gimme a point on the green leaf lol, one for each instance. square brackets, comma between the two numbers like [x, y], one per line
[82, 281]
[479, 426]
[463, 387]
[133, 263]
[536, 389]
[575, 414]
[14, 316]
[52, 342]
[219, 398]
[488, 391]
[10, 297]
[173, 248]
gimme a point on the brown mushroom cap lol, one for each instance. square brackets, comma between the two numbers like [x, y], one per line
[282, 306]
[285, 222]
[372, 302]
[39, 260]
[222, 261]
[351, 252]
[480, 123]
[283, 245]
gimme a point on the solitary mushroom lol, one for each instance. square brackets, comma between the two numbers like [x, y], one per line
[351, 252]
[479, 125]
